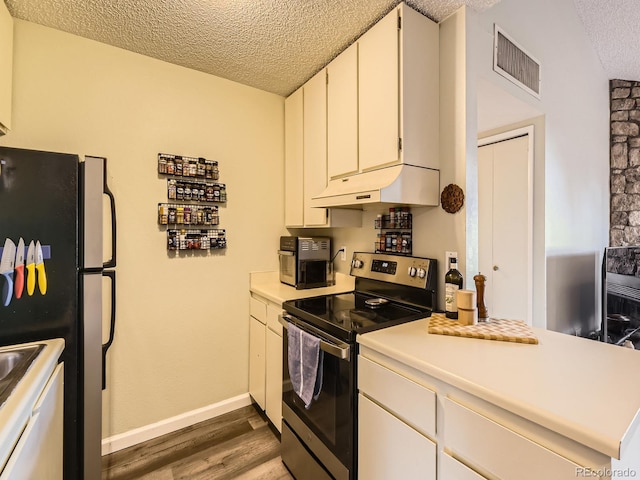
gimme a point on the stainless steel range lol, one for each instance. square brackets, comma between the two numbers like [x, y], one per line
[320, 441]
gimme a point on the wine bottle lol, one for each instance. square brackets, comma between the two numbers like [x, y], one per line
[452, 283]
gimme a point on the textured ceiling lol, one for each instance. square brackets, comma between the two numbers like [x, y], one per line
[614, 29]
[273, 45]
[276, 45]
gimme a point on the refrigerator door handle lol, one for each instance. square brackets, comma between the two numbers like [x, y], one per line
[112, 201]
[112, 275]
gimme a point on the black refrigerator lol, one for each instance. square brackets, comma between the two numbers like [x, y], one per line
[52, 211]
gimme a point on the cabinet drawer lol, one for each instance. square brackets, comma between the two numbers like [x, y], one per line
[499, 451]
[38, 453]
[451, 469]
[406, 399]
[258, 310]
[389, 448]
[273, 313]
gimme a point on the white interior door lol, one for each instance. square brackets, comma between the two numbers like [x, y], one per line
[505, 216]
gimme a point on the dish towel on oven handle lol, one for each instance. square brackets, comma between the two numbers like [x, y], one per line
[304, 359]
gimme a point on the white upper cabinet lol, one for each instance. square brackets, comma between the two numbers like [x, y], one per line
[375, 105]
[382, 97]
[378, 94]
[342, 114]
[305, 113]
[398, 91]
[315, 146]
[293, 206]
[6, 67]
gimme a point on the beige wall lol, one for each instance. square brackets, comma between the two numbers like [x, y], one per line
[182, 335]
[571, 175]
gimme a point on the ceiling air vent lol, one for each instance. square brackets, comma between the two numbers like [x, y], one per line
[513, 63]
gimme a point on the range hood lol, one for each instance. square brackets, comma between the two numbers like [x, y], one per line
[398, 184]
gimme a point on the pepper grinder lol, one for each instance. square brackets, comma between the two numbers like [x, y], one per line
[483, 314]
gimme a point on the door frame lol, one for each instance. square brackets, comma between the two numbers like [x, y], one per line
[527, 131]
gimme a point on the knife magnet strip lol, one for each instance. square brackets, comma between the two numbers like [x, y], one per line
[46, 252]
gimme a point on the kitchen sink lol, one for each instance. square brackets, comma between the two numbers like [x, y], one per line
[14, 363]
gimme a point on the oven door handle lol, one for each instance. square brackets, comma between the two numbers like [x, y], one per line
[286, 253]
[341, 350]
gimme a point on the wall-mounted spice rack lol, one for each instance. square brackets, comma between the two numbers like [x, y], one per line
[196, 191]
[191, 167]
[193, 239]
[395, 235]
[187, 214]
[191, 179]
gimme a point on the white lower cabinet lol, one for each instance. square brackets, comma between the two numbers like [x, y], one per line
[396, 417]
[413, 426]
[257, 361]
[389, 448]
[273, 367]
[409, 401]
[451, 469]
[490, 447]
[265, 358]
[38, 453]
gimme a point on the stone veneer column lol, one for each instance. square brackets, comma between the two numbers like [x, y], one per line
[625, 163]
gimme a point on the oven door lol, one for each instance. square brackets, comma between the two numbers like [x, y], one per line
[288, 265]
[325, 432]
[312, 274]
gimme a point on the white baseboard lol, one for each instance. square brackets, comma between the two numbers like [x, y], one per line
[148, 432]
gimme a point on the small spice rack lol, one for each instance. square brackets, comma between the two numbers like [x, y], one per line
[190, 167]
[187, 214]
[196, 191]
[395, 232]
[192, 180]
[191, 239]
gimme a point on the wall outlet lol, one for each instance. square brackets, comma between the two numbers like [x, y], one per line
[449, 255]
[343, 254]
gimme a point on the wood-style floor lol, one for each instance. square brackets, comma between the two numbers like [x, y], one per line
[240, 444]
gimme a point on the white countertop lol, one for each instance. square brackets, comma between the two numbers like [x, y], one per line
[16, 411]
[267, 284]
[585, 390]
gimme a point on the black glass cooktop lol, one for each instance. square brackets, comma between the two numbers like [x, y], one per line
[348, 314]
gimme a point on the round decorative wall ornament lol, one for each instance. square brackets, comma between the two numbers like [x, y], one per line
[452, 198]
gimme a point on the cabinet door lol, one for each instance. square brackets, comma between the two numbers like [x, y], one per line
[487, 445]
[342, 114]
[451, 469]
[378, 90]
[389, 448]
[274, 378]
[293, 159]
[257, 338]
[408, 400]
[38, 453]
[6, 67]
[315, 146]
[274, 366]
